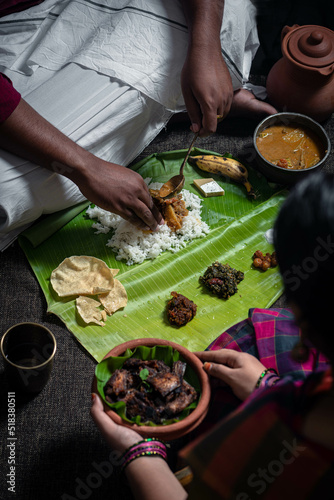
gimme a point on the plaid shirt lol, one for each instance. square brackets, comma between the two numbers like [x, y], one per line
[258, 452]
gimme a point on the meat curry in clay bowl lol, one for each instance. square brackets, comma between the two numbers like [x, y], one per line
[154, 386]
[289, 146]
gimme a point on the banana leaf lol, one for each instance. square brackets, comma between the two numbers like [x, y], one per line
[237, 227]
[106, 368]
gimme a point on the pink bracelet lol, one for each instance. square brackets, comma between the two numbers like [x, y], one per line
[144, 445]
[148, 444]
[149, 451]
[146, 450]
[149, 447]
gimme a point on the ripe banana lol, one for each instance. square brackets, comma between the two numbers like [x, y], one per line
[225, 166]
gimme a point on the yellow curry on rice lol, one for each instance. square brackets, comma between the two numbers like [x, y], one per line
[172, 209]
[290, 146]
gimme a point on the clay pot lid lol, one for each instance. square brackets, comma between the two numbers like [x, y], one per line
[311, 45]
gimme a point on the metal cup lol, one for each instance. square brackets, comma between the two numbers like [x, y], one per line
[28, 350]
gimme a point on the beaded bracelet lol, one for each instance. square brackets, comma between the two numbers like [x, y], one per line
[265, 371]
[144, 443]
[148, 447]
[149, 450]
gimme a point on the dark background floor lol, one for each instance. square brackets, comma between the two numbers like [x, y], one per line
[59, 452]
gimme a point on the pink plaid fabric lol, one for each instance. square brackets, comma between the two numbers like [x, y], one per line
[270, 335]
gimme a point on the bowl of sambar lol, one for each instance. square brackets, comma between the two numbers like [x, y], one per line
[289, 146]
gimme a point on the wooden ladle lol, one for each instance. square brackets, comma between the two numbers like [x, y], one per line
[176, 183]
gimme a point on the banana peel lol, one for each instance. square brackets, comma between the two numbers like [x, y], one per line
[228, 167]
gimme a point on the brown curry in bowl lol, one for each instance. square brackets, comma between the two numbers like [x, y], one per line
[292, 146]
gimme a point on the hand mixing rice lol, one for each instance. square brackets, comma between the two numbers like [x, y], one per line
[134, 246]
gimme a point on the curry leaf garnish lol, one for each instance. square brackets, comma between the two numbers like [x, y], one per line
[144, 373]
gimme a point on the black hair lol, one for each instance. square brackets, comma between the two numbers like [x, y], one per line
[304, 243]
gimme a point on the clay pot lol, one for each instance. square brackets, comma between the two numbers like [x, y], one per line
[302, 80]
[178, 429]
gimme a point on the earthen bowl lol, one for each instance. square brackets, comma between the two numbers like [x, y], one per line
[282, 175]
[177, 429]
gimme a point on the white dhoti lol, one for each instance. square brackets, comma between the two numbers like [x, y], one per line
[107, 74]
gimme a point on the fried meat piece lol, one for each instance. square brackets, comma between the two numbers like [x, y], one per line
[162, 395]
[138, 404]
[179, 367]
[164, 383]
[172, 209]
[153, 365]
[185, 397]
[157, 365]
[118, 384]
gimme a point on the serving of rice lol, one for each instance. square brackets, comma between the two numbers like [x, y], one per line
[134, 246]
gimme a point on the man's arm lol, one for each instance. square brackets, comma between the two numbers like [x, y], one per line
[110, 186]
[206, 82]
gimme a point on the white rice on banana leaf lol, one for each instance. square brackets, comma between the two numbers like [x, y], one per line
[134, 246]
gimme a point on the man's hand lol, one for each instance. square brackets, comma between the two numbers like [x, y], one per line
[207, 89]
[110, 186]
[205, 79]
[239, 370]
[120, 191]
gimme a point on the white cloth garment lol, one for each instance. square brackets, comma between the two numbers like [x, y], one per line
[106, 73]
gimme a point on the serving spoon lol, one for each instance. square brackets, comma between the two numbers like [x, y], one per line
[175, 184]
